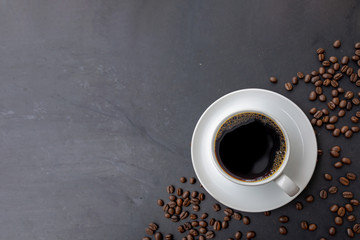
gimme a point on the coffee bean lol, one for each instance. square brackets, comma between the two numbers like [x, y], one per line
[181, 229]
[300, 75]
[238, 235]
[186, 202]
[178, 210]
[203, 224]
[333, 190]
[196, 208]
[175, 218]
[336, 100]
[160, 202]
[216, 207]
[357, 52]
[169, 237]
[336, 66]
[322, 98]
[312, 227]
[179, 191]
[357, 83]
[149, 231]
[315, 78]
[323, 194]
[194, 194]
[318, 90]
[348, 195]
[202, 230]
[304, 225]
[355, 202]
[195, 224]
[179, 202]
[170, 189]
[158, 236]
[338, 164]
[309, 198]
[332, 231]
[348, 134]
[334, 93]
[336, 148]
[320, 152]
[172, 204]
[346, 160]
[210, 235]
[337, 44]
[146, 238]
[183, 180]
[326, 63]
[167, 215]
[184, 215]
[355, 58]
[356, 228]
[355, 129]
[326, 75]
[194, 232]
[342, 104]
[201, 196]
[357, 45]
[354, 119]
[351, 176]
[349, 95]
[224, 224]
[312, 96]
[217, 226]
[246, 220]
[338, 220]
[250, 235]
[228, 211]
[334, 208]
[319, 123]
[313, 121]
[283, 219]
[349, 208]
[237, 216]
[212, 221]
[350, 232]
[299, 206]
[334, 153]
[344, 60]
[331, 71]
[341, 211]
[307, 78]
[171, 211]
[318, 114]
[267, 213]
[204, 216]
[283, 230]
[273, 79]
[344, 68]
[333, 119]
[288, 86]
[351, 218]
[313, 111]
[333, 59]
[294, 80]
[172, 198]
[192, 180]
[355, 101]
[357, 114]
[320, 50]
[186, 194]
[349, 71]
[331, 105]
[341, 113]
[343, 130]
[195, 201]
[353, 77]
[321, 57]
[336, 132]
[327, 177]
[187, 226]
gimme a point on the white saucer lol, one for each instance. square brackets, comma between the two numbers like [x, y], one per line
[299, 168]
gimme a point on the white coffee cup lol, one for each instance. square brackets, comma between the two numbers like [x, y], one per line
[279, 177]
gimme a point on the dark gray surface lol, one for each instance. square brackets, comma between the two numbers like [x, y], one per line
[98, 101]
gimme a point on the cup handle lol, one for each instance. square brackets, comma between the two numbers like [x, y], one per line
[288, 185]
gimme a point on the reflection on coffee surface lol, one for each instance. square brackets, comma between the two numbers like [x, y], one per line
[250, 146]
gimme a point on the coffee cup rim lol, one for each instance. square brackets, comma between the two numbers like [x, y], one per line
[260, 182]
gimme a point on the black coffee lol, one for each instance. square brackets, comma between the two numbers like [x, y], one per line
[250, 146]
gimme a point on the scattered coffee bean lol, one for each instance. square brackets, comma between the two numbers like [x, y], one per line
[250, 235]
[338, 220]
[288, 86]
[319, 123]
[238, 235]
[179, 192]
[346, 160]
[224, 224]
[309, 198]
[179, 202]
[347, 195]
[273, 79]
[350, 232]
[217, 226]
[194, 194]
[355, 101]
[337, 44]
[318, 114]
[333, 189]
[237, 216]
[172, 198]
[344, 60]
[355, 129]
[267, 213]
[354, 119]
[172, 204]
[336, 66]
[210, 235]
[216, 207]
[320, 50]
[186, 194]
[312, 96]
[351, 176]
[192, 180]
[149, 231]
[313, 111]
[283, 219]
[196, 208]
[332, 231]
[323, 194]
[338, 164]
[169, 237]
[333, 119]
[327, 177]
[334, 208]
[227, 218]
[299, 206]
[355, 202]
[322, 98]
[319, 83]
[204, 216]
[187, 226]
[294, 80]
[342, 104]
[246, 220]
[175, 218]
[341, 113]
[351, 218]
[356, 228]
[184, 215]
[343, 129]
[183, 180]
[158, 236]
[186, 202]
[307, 78]
[283, 230]
[331, 105]
[349, 208]
[333, 153]
[212, 221]
[304, 225]
[312, 227]
[160, 202]
[300, 75]
[320, 152]
[170, 189]
[202, 230]
[326, 63]
[194, 232]
[348, 134]
[201, 196]
[341, 211]
[228, 211]
[330, 126]
[321, 57]
[193, 216]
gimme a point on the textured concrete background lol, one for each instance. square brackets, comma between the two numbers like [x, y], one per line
[98, 101]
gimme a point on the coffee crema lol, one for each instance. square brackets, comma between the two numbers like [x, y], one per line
[250, 146]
